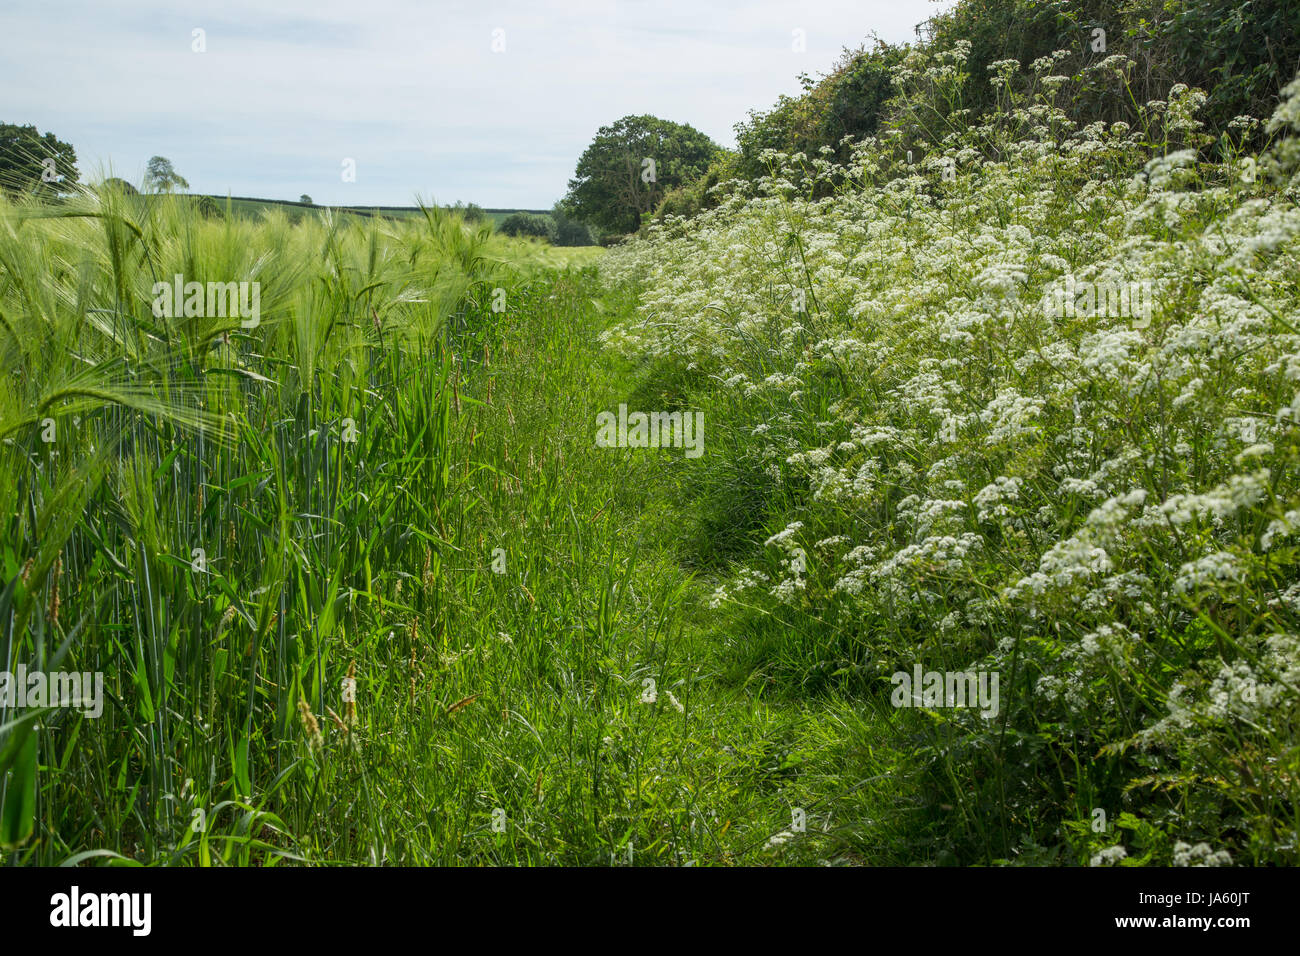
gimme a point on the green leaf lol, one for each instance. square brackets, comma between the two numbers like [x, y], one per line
[18, 815]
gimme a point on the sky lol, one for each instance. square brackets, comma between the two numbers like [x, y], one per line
[487, 101]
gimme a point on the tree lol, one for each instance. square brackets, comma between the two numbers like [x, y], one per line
[628, 166]
[160, 177]
[471, 213]
[526, 224]
[209, 209]
[568, 231]
[305, 199]
[32, 160]
[113, 182]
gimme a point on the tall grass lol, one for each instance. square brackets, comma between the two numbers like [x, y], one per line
[390, 480]
[219, 515]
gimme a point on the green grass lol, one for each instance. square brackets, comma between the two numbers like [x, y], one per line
[478, 693]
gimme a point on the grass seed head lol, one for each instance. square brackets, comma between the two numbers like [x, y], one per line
[310, 726]
[55, 573]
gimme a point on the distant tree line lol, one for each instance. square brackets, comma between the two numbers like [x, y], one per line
[558, 227]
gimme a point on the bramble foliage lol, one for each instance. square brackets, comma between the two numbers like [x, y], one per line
[848, 102]
[1240, 54]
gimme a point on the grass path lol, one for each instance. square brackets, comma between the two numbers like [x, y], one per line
[602, 618]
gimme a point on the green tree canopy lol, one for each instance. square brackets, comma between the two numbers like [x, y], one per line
[471, 213]
[526, 224]
[628, 166]
[25, 155]
[113, 182]
[161, 177]
[568, 231]
[209, 208]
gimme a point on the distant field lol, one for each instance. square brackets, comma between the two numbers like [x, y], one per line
[252, 208]
[533, 252]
